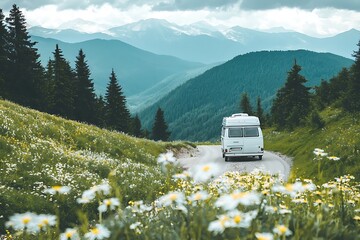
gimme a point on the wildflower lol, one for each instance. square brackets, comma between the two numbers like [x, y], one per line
[318, 202]
[219, 225]
[135, 225]
[20, 221]
[98, 232]
[175, 199]
[171, 198]
[231, 201]
[334, 158]
[203, 173]
[282, 230]
[43, 221]
[264, 236]
[87, 196]
[166, 158]
[357, 218]
[111, 203]
[103, 188]
[199, 196]
[184, 175]
[58, 189]
[240, 219]
[70, 233]
[293, 189]
[140, 207]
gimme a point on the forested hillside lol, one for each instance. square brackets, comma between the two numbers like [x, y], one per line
[194, 110]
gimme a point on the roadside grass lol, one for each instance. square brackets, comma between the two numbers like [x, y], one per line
[98, 184]
[339, 137]
[39, 150]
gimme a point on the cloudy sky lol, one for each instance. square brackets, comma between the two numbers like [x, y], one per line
[318, 18]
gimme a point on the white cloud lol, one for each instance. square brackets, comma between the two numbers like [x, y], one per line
[318, 22]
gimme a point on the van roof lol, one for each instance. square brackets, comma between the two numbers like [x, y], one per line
[241, 119]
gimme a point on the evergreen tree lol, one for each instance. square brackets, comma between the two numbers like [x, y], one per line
[25, 70]
[260, 112]
[64, 86]
[136, 131]
[85, 96]
[4, 53]
[292, 103]
[245, 105]
[160, 128]
[100, 111]
[117, 114]
[351, 102]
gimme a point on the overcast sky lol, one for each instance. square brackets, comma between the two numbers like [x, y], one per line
[319, 18]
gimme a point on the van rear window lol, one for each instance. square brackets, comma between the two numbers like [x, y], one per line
[251, 132]
[235, 132]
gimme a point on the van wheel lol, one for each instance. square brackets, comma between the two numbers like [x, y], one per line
[226, 159]
[260, 157]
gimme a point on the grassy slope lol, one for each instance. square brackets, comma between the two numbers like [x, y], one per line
[340, 137]
[38, 151]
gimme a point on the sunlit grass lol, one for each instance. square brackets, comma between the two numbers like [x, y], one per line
[340, 137]
[65, 180]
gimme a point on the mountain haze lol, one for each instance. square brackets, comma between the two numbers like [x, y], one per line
[194, 110]
[136, 69]
[201, 42]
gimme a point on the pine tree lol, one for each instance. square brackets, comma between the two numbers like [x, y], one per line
[4, 53]
[351, 101]
[100, 111]
[85, 93]
[117, 114]
[64, 86]
[260, 112]
[136, 129]
[160, 128]
[25, 70]
[292, 103]
[245, 105]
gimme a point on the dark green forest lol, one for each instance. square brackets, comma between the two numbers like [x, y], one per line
[194, 111]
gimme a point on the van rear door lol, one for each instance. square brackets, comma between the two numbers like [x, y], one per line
[235, 140]
[252, 140]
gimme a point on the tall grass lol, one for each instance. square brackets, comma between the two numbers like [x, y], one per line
[38, 151]
[339, 137]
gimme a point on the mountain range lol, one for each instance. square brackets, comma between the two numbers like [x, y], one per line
[137, 70]
[194, 110]
[201, 42]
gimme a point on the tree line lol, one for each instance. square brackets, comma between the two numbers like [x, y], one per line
[296, 105]
[60, 90]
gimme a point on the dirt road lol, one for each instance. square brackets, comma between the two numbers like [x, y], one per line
[271, 162]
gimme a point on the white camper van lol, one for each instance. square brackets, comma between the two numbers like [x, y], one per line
[241, 135]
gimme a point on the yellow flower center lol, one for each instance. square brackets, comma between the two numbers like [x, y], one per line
[289, 187]
[26, 220]
[237, 219]
[45, 222]
[173, 197]
[107, 202]
[56, 188]
[238, 195]
[206, 168]
[95, 231]
[69, 234]
[282, 229]
[197, 197]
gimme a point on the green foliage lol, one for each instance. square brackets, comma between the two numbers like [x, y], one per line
[194, 111]
[24, 71]
[38, 151]
[351, 101]
[292, 103]
[339, 137]
[316, 121]
[245, 105]
[160, 128]
[85, 105]
[116, 112]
